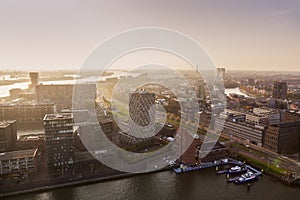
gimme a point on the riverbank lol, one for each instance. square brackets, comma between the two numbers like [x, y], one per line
[76, 183]
[88, 181]
[277, 173]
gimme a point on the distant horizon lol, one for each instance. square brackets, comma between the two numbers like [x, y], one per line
[181, 69]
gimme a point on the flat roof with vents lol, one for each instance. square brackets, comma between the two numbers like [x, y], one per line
[12, 155]
[58, 116]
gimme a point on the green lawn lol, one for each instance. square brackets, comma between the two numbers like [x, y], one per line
[262, 165]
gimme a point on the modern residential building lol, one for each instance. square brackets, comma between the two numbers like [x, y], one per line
[8, 135]
[26, 112]
[283, 137]
[59, 143]
[18, 165]
[280, 90]
[142, 114]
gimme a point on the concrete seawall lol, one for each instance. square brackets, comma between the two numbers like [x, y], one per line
[77, 183]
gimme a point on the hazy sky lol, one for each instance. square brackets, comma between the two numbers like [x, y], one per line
[237, 34]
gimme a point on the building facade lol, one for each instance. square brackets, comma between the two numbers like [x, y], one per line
[245, 131]
[26, 112]
[59, 143]
[273, 115]
[34, 78]
[283, 137]
[280, 90]
[142, 114]
[8, 135]
[18, 165]
[62, 95]
[290, 116]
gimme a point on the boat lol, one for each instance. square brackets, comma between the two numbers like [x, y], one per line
[233, 170]
[236, 170]
[245, 178]
[186, 168]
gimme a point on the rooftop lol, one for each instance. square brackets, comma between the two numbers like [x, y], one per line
[18, 154]
[32, 137]
[14, 103]
[142, 92]
[6, 123]
[58, 116]
[105, 120]
[287, 124]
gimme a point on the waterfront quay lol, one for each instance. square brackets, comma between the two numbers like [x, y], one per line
[201, 184]
[217, 163]
[110, 175]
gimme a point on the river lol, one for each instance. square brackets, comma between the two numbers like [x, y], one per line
[4, 89]
[202, 184]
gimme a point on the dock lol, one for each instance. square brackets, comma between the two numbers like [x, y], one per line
[217, 163]
[250, 175]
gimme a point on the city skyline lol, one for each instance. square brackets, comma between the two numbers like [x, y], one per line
[256, 35]
[142, 99]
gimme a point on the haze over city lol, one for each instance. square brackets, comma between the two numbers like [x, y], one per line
[243, 35]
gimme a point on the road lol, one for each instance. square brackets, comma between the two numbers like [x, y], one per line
[264, 155]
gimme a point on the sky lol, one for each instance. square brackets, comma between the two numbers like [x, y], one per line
[237, 34]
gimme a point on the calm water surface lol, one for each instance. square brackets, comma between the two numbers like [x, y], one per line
[202, 184]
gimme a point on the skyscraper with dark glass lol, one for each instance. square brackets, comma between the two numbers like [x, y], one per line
[59, 143]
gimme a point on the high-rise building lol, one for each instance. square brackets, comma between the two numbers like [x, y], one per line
[251, 81]
[221, 71]
[8, 135]
[59, 143]
[142, 113]
[280, 90]
[34, 78]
